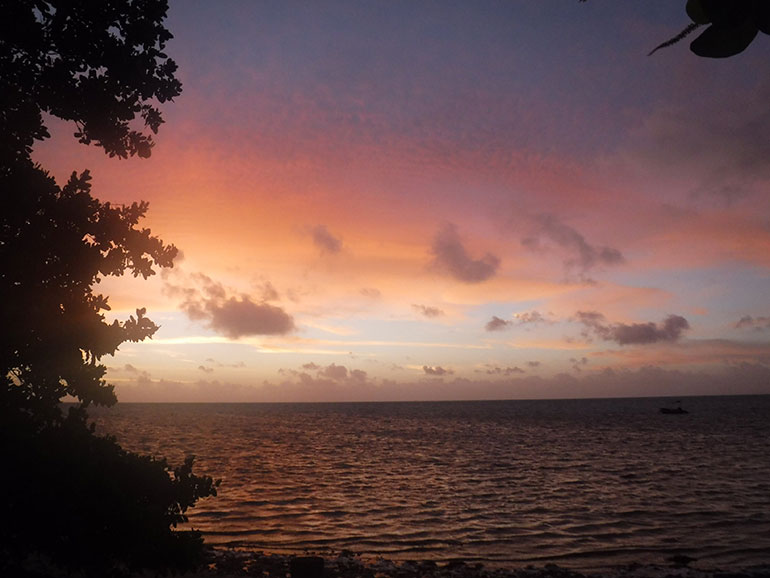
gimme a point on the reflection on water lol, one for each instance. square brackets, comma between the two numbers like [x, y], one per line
[585, 483]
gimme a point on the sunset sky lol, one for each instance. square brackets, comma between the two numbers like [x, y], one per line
[387, 200]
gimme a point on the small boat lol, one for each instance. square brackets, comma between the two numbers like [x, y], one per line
[674, 410]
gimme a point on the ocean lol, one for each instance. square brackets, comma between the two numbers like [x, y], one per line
[585, 484]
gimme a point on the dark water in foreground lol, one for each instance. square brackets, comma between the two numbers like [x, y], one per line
[582, 483]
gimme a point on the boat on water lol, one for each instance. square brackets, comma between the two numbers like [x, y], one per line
[673, 410]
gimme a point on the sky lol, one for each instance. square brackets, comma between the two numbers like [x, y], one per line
[428, 200]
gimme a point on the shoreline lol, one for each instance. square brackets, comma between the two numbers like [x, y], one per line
[224, 562]
[233, 563]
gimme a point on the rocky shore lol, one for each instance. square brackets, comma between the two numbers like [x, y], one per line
[234, 563]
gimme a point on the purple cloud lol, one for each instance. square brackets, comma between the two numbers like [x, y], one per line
[671, 329]
[327, 373]
[507, 371]
[578, 363]
[429, 312]
[334, 372]
[756, 323]
[325, 241]
[497, 324]
[238, 317]
[582, 257]
[530, 317]
[233, 317]
[437, 370]
[451, 256]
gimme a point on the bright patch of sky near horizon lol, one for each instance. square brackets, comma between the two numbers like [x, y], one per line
[447, 200]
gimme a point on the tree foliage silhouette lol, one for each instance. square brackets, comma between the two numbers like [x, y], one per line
[70, 496]
[99, 64]
[55, 245]
[731, 26]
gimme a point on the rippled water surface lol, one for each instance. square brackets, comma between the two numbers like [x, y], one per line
[583, 483]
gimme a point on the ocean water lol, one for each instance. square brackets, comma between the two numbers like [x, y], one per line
[585, 484]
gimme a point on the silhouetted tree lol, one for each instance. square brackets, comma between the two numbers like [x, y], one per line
[99, 64]
[55, 245]
[68, 496]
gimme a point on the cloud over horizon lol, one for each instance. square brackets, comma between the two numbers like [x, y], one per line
[755, 323]
[331, 373]
[451, 257]
[233, 317]
[740, 378]
[497, 324]
[671, 329]
[437, 370]
[527, 318]
[426, 311]
[503, 371]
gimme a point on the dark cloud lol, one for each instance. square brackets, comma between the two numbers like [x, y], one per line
[671, 329]
[232, 317]
[528, 318]
[740, 378]
[135, 371]
[325, 241]
[506, 371]
[358, 375]
[451, 257]
[205, 369]
[756, 323]
[577, 364]
[327, 374]
[437, 370]
[724, 149]
[582, 257]
[334, 372]
[533, 363]
[497, 324]
[238, 317]
[429, 312]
